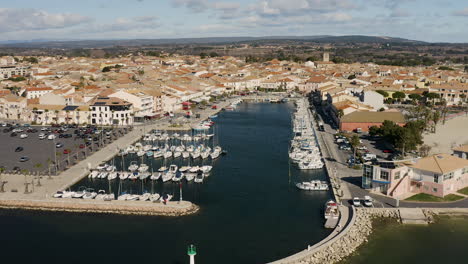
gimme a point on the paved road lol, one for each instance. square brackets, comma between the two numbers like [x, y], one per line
[353, 178]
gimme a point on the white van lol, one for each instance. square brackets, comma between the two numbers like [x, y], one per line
[51, 137]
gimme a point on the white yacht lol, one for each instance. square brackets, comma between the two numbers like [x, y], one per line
[177, 154]
[155, 197]
[184, 168]
[185, 154]
[194, 169]
[163, 169]
[167, 154]
[206, 168]
[189, 176]
[133, 166]
[145, 197]
[155, 176]
[314, 185]
[143, 168]
[199, 178]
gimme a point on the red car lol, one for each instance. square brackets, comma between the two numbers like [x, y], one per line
[387, 151]
[214, 107]
[66, 151]
[82, 146]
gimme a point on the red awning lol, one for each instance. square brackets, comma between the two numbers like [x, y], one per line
[186, 103]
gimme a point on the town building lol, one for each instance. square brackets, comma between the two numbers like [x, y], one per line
[437, 175]
[109, 111]
[363, 120]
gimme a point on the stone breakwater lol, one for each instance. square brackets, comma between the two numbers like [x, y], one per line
[349, 239]
[114, 207]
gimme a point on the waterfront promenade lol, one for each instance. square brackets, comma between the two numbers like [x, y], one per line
[36, 191]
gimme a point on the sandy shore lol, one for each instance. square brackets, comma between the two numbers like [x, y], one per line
[448, 136]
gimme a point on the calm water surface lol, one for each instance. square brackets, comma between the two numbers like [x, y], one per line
[250, 210]
[443, 242]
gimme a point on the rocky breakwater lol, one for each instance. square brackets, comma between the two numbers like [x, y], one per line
[114, 207]
[350, 238]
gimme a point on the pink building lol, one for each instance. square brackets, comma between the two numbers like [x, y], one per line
[436, 175]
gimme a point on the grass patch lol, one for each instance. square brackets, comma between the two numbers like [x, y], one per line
[464, 191]
[423, 197]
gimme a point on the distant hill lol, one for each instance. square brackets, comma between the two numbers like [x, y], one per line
[214, 40]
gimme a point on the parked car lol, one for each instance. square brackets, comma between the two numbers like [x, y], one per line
[24, 159]
[82, 146]
[58, 145]
[51, 137]
[13, 134]
[368, 201]
[66, 151]
[19, 149]
[356, 201]
[23, 135]
[387, 151]
[42, 136]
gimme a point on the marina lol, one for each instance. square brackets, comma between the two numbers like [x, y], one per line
[247, 188]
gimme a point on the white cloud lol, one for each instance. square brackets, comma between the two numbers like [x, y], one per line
[463, 12]
[194, 5]
[297, 7]
[398, 12]
[13, 19]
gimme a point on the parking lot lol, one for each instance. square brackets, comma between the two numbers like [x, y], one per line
[23, 150]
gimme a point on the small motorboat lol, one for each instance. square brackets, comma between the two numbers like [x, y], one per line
[58, 194]
[155, 176]
[184, 168]
[154, 197]
[67, 194]
[145, 197]
[89, 194]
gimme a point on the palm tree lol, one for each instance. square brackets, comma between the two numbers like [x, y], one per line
[355, 142]
[435, 119]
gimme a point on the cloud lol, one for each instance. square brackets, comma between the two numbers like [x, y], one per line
[145, 18]
[298, 7]
[14, 19]
[398, 12]
[463, 12]
[196, 6]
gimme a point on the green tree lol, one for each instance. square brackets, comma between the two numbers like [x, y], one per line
[355, 142]
[214, 54]
[352, 76]
[203, 55]
[415, 97]
[398, 96]
[435, 119]
[374, 130]
[107, 69]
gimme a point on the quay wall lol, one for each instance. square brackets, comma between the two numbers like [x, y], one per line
[101, 207]
[341, 243]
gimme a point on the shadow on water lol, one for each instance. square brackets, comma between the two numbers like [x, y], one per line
[251, 212]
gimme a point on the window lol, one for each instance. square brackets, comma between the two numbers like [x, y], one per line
[448, 176]
[436, 178]
[434, 190]
[397, 175]
[384, 175]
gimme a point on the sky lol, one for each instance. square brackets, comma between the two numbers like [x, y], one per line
[426, 20]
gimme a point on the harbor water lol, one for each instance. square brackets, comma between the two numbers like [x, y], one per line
[251, 212]
[442, 242]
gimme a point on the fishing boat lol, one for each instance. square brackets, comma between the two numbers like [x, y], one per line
[331, 210]
[195, 154]
[102, 166]
[215, 155]
[110, 168]
[205, 154]
[314, 185]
